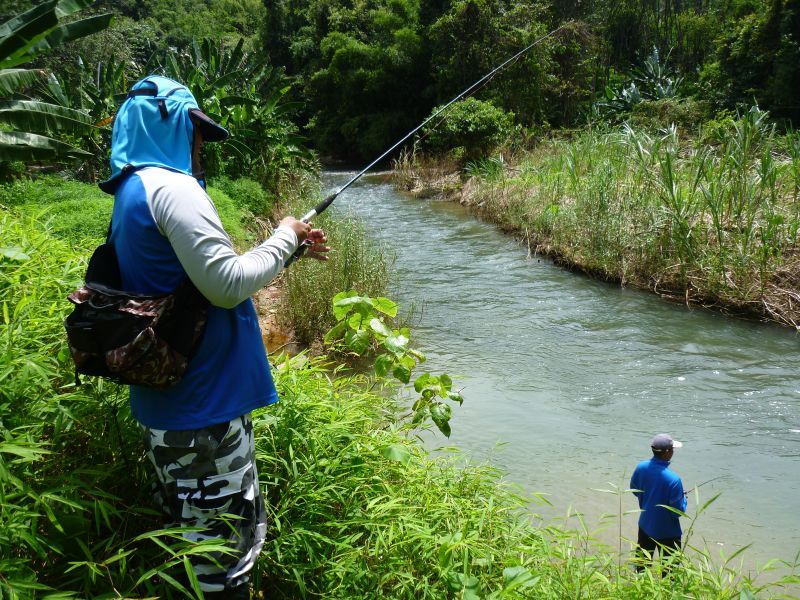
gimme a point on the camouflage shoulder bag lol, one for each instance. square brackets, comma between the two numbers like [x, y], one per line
[129, 338]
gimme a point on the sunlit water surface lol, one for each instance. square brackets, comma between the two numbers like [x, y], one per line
[566, 379]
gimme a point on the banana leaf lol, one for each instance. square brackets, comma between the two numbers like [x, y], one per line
[59, 35]
[67, 7]
[35, 116]
[12, 80]
[17, 34]
[15, 145]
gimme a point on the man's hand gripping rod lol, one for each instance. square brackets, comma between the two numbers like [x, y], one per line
[329, 200]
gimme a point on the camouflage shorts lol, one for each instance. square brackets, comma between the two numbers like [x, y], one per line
[205, 474]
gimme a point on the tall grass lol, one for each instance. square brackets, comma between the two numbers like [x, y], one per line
[712, 219]
[356, 262]
[348, 521]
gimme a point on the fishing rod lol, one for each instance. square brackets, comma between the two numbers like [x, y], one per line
[319, 208]
[701, 484]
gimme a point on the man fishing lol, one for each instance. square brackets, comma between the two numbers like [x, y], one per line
[198, 433]
[656, 487]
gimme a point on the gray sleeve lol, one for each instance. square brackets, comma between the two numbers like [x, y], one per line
[186, 216]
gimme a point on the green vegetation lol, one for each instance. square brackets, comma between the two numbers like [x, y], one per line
[357, 262]
[26, 124]
[469, 130]
[358, 507]
[369, 71]
[712, 220]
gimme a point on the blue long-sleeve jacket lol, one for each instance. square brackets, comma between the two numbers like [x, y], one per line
[655, 484]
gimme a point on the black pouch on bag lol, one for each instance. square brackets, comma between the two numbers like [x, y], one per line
[131, 338]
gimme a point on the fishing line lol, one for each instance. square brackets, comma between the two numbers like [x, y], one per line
[319, 208]
[705, 482]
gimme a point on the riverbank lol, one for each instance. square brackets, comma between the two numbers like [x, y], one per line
[709, 221]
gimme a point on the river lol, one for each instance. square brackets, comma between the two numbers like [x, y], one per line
[566, 379]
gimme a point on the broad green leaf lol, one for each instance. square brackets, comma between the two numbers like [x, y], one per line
[20, 32]
[383, 363]
[344, 304]
[379, 327]
[64, 8]
[357, 341]
[397, 453]
[440, 414]
[14, 253]
[396, 344]
[408, 362]
[417, 354]
[15, 145]
[12, 80]
[355, 321]
[445, 381]
[514, 577]
[421, 381]
[402, 373]
[455, 397]
[385, 306]
[335, 332]
[33, 116]
[67, 33]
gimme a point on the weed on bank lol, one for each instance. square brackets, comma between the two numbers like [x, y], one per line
[711, 219]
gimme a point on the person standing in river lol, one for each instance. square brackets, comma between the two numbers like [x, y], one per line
[656, 487]
[198, 433]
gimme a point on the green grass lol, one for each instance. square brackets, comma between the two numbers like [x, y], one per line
[357, 262]
[358, 508]
[712, 219]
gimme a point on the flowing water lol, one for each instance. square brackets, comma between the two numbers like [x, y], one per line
[566, 379]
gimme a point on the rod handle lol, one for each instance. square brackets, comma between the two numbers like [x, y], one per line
[305, 244]
[301, 249]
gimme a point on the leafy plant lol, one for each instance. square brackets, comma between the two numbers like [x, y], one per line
[654, 80]
[473, 125]
[95, 90]
[248, 97]
[361, 323]
[26, 123]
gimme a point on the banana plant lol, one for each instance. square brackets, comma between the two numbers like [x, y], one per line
[249, 98]
[27, 123]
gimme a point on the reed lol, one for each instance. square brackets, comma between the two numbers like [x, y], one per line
[357, 261]
[711, 220]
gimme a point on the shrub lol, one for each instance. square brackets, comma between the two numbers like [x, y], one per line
[246, 194]
[356, 263]
[687, 113]
[473, 125]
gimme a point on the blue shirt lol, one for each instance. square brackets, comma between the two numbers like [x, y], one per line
[658, 485]
[229, 375]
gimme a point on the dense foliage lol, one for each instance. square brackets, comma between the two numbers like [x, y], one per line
[371, 69]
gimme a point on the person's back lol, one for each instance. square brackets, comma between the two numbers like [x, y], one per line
[658, 489]
[229, 375]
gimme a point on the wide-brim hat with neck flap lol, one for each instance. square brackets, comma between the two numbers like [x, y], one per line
[154, 127]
